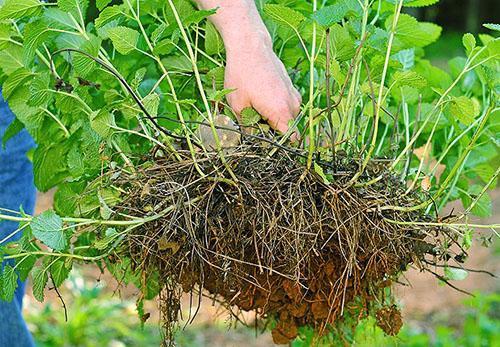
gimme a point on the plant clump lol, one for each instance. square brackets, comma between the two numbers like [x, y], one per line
[279, 240]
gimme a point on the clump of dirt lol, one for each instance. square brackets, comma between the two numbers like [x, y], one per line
[389, 320]
[279, 241]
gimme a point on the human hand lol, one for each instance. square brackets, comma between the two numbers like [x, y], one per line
[260, 81]
[255, 72]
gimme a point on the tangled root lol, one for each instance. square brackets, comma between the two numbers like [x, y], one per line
[279, 240]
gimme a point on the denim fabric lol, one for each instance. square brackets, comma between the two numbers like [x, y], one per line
[16, 189]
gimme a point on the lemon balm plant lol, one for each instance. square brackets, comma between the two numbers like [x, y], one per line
[309, 233]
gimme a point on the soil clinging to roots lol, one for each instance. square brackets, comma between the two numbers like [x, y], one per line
[279, 241]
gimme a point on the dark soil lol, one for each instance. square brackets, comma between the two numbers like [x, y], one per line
[279, 241]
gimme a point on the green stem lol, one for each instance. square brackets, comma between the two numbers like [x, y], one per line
[312, 139]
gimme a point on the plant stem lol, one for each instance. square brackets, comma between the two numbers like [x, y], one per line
[311, 92]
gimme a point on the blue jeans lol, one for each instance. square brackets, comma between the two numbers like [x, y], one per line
[16, 189]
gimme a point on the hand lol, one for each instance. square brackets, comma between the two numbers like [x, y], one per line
[260, 81]
[253, 70]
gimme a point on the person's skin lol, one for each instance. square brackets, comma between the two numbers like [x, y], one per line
[255, 72]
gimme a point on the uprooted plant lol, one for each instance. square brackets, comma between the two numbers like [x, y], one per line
[309, 234]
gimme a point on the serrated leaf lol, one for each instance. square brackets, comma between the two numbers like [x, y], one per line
[219, 95]
[249, 117]
[107, 240]
[406, 57]
[59, 272]
[11, 59]
[342, 43]
[82, 64]
[213, 41]
[5, 35]
[412, 33]
[78, 8]
[455, 274]
[40, 90]
[469, 42]
[482, 207]
[47, 227]
[49, 166]
[152, 102]
[14, 81]
[16, 9]
[108, 15]
[330, 15]
[24, 266]
[124, 39]
[35, 33]
[197, 16]
[40, 279]
[284, 15]
[408, 78]
[12, 130]
[463, 109]
[415, 3]
[100, 4]
[9, 283]
[102, 121]
[59, 19]
[492, 26]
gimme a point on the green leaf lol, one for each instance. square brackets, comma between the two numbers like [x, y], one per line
[213, 41]
[24, 266]
[219, 95]
[319, 170]
[40, 279]
[110, 236]
[102, 121]
[412, 33]
[15, 80]
[108, 15]
[482, 207]
[36, 33]
[124, 39]
[49, 166]
[415, 3]
[469, 42]
[463, 109]
[59, 19]
[284, 15]
[197, 16]
[12, 130]
[82, 64]
[492, 26]
[11, 59]
[485, 172]
[408, 78]
[455, 274]
[5, 35]
[100, 4]
[78, 8]
[40, 90]
[17, 9]
[9, 283]
[249, 117]
[342, 43]
[47, 227]
[329, 15]
[59, 272]
[152, 102]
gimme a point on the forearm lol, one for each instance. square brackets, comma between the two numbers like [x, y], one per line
[238, 22]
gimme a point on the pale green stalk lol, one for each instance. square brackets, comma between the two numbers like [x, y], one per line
[373, 143]
[312, 138]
